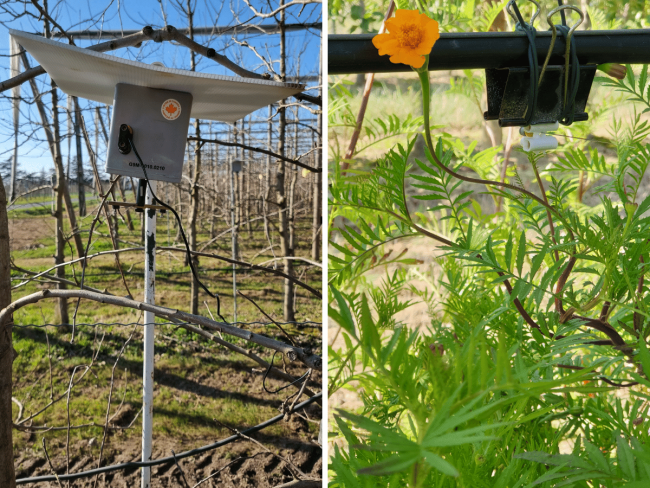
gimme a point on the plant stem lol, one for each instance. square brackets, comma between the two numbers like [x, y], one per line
[548, 214]
[423, 74]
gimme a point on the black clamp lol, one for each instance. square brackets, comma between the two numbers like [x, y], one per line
[523, 96]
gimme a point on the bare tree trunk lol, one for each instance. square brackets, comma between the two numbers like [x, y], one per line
[292, 187]
[267, 180]
[247, 175]
[291, 210]
[194, 190]
[61, 311]
[317, 219]
[234, 197]
[80, 165]
[214, 157]
[7, 473]
[281, 198]
[584, 6]
[241, 198]
[194, 210]
[60, 171]
[69, 132]
[214, 169]
[233, 220]
[239, 192]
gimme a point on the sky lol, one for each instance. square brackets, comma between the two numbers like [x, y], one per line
[302, 50]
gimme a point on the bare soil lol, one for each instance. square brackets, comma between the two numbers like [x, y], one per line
[26, 233]
[262, 471]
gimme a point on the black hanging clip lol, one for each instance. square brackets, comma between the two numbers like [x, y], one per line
[527, 96]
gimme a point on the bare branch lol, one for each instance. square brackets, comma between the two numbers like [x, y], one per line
[268, 65]
[281, 8]
[302, 484]
[108, 403]
[295, 470]
[204, 254]
[20, 408]
[213, 30]
[49, 17]
[181, 470]
[228, 465]
[41, 429]
[170, 33]
[33, 190]
[309, 98]
[273, 371]
[293, 353]
[252, 266]
[50, 463]
[267, 316]
[53, 278]
[256, 149]
[295, 258]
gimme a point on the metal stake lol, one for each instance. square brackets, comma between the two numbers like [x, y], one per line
[149, 319]
[234, 238]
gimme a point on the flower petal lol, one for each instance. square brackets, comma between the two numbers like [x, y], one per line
[381, 39]
[392, 25]
[390, 47]
[407, 56]
[408, 15]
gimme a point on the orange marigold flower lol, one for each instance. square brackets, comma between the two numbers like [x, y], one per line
[411, 35]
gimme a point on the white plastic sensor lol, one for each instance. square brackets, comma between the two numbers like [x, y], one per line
[536, 139]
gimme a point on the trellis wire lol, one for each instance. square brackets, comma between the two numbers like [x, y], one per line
[306, 324]
[169, 459]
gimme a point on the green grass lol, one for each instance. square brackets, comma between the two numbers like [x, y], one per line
[178, 413]
[48, 198]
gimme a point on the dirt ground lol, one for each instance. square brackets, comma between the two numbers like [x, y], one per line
[25, 233]
[265, 470]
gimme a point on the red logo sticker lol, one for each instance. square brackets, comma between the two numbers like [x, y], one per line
[171, 109]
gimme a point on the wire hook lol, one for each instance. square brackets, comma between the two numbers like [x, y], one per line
[568, 43]
[517, 18]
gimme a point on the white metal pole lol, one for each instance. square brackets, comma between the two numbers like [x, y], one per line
[234, 239]
[149, 318]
